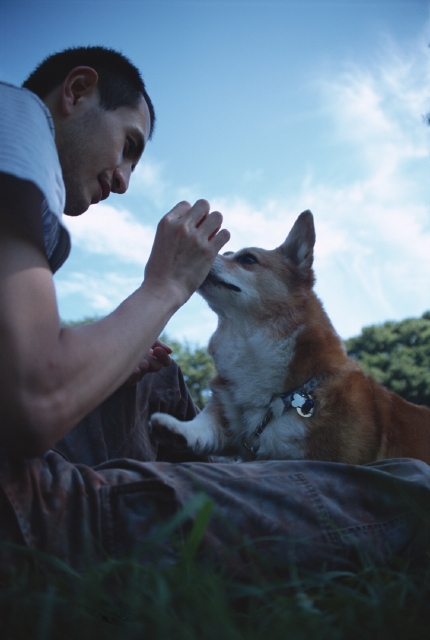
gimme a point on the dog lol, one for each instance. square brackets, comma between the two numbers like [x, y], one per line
[286, 388]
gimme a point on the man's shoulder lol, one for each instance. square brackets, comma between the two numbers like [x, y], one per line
[28, 152]
[27, 145]
[12, 92]
[19, 104]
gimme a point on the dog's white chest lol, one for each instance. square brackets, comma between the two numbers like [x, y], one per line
[254, 370]
[253, 366]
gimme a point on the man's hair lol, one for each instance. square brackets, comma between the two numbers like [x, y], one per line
[119, 83]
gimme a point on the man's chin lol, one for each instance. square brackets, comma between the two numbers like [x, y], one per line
[76, 208]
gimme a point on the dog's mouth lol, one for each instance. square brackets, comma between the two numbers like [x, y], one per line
[212, 279]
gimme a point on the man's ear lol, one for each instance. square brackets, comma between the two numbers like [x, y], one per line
[79, 87]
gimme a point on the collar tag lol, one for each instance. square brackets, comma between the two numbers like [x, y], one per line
[304, 405]
[298, 400]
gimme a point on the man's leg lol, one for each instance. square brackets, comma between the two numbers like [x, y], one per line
[288, 512]
[300, 512]
[118, 428]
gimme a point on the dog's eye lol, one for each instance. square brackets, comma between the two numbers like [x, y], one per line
[247, 258]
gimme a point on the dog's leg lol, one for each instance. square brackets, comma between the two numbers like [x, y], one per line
[204, 434]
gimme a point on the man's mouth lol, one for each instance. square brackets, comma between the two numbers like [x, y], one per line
[105, 188]
[96, 198]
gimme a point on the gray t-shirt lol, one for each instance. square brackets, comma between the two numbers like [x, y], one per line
[28, 152]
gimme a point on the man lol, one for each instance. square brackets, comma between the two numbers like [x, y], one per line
[67, 400]
[98, 149]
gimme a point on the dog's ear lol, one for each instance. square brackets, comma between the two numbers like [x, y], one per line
[299, 245]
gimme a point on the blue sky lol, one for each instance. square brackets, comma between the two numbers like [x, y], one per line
[265, 109]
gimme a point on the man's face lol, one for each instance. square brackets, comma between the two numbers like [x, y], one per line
[98, 151]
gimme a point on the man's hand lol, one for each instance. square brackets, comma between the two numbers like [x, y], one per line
[52, 376]
[156, 358]
[187, 241]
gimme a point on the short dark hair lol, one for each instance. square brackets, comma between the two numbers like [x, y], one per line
[120, 82]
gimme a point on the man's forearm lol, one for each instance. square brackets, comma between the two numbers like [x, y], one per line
[55, 375]
[105, 353]
[51, 377]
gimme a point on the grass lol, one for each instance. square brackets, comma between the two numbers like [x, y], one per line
[190, 598]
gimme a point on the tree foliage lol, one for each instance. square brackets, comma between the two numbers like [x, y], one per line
[78, 323]
[196, 365]
[397, 355]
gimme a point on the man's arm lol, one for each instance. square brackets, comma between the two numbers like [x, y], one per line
[51, 377]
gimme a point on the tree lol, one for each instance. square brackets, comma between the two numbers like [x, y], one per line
[78, 323]
[397, 355]
[196, 365]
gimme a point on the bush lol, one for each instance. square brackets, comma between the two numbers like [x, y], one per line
[397, 355]
[197, 366]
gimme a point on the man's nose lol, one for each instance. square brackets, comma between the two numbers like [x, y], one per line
[120, 180]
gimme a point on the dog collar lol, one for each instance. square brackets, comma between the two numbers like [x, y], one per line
[299, 398]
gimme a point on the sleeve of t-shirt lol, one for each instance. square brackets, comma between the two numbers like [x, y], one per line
[28, 152]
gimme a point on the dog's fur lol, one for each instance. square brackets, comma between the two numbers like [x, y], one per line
[273, 335]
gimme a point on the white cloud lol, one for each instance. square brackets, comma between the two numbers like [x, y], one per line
[148, 180]
[101, 294]
[382, 105]
[373, 234]
[106, 230]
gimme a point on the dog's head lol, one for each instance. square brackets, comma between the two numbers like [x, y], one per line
[263, 283]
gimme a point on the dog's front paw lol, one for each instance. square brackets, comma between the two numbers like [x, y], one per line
[166, 431]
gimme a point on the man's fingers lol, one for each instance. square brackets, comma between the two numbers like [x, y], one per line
[198, 216]
[137, 374]
[161, 356]
[160, 343]
[157, 358]
[220, 239]
[212, 224]
[197, 213]
[179, 210]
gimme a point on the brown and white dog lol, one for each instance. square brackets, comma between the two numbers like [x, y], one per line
[286, 388]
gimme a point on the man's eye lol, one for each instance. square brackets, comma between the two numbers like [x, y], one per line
[130, 150]
[130, 147]
[247, 258]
